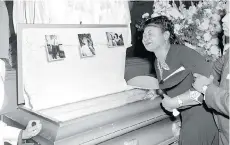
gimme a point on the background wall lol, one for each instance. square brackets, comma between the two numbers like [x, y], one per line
[137, 9]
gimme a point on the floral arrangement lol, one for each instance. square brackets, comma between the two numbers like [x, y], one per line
[196, 27]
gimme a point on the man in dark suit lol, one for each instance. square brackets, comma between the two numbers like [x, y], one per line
[54, 51]
[216, 88]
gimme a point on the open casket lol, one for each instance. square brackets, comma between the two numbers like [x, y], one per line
[79, 95]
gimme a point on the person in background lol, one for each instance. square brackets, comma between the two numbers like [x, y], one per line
[7, 133]
[85, 48]
[4, 32]
[197, 123]
[216, 92]
[117, 39]
[54, 45]
[48, 43]
[111, 41]
[12, 134]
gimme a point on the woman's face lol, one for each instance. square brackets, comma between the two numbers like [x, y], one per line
[153, 38]
[48, 38]
[116, 36]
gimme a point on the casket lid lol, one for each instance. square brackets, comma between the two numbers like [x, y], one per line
[74, 77]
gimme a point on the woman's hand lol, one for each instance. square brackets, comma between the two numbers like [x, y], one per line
[32, 129]
[169, 103]
[151, 95]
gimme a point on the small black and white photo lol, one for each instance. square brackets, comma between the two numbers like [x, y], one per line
[54, 48]
[86, 45]
[114, 39]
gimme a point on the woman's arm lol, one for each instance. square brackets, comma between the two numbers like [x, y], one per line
[173, 103]
[191, 59]
[188, 98]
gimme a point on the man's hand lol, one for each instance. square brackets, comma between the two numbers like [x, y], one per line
[201, 81]
[32, 129]
[169, 103]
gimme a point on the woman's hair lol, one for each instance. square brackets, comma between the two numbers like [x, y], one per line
[116, 35]
[164, 23]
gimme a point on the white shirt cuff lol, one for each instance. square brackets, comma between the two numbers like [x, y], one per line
[9, 134]
[204, 90]
[195, 95]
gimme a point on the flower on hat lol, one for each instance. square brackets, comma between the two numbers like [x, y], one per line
[145, 15]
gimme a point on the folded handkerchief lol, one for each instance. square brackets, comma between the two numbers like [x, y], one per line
[174, 73]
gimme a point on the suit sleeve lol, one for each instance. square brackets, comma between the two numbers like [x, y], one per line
[9, 134]
[2, 78]
[217, 99]
[217, 70]
[4, 30]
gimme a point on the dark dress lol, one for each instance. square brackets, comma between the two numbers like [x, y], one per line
[198, 126]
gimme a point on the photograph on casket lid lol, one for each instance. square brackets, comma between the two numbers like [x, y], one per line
[114, 39]
[74, 80]
[54, 48]
[86, 45]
